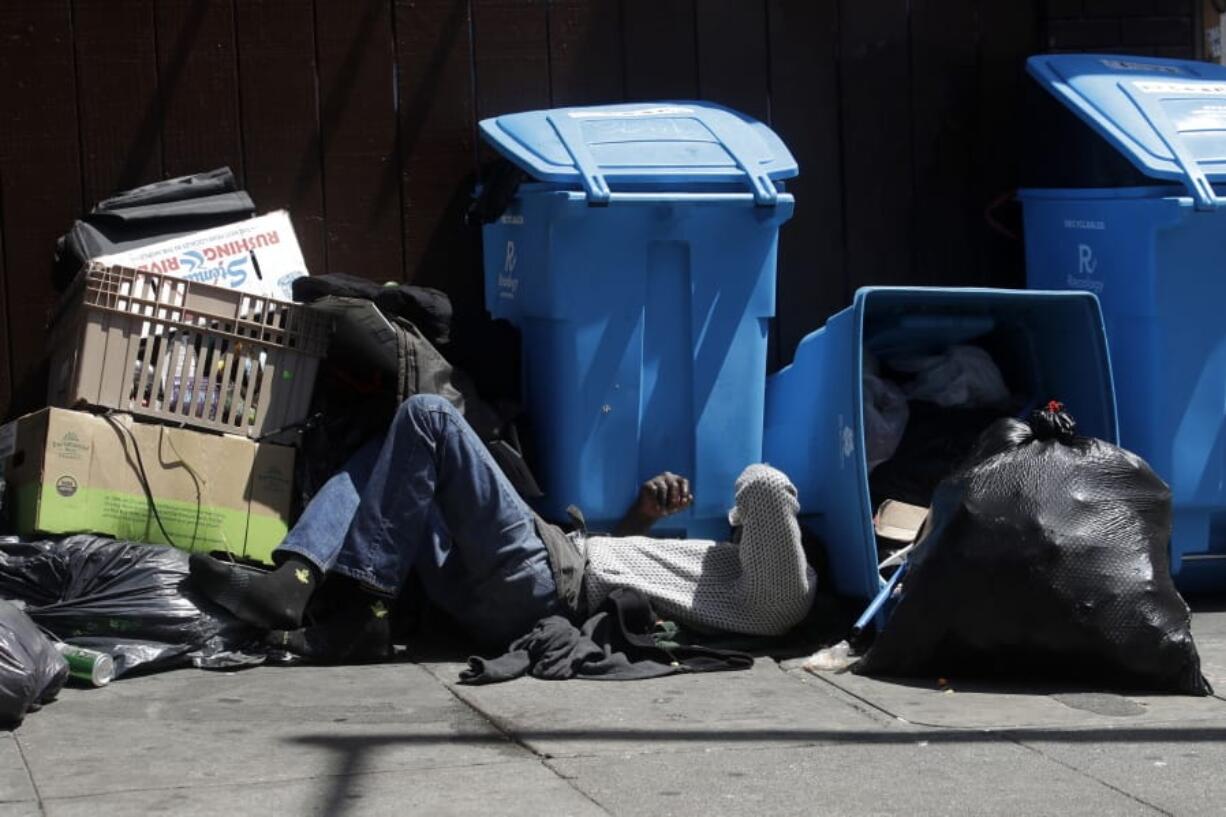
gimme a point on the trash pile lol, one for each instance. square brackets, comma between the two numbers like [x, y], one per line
[922, 413]
[984, 545]
[183, 417]
[126, 599]
[175, 357]
[172, 325]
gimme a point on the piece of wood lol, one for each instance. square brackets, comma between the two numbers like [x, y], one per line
[198, 87]
[585, 52]
[438, 143]
[40, 175]
[511, 55]
[733, 67]
[660, 49]
[1210, 46]
[361, 155]
[805, 114]
[511, 61]
[944, 103]
[875, 89]
[281, 145]
[1008, 33]
[120, 112]
[6, 377]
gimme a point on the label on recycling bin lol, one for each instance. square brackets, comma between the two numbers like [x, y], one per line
[1148, 67]
[1196, 114]
[656, 111]
[1185, 88]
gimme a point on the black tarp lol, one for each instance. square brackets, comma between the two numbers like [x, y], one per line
[150, 214]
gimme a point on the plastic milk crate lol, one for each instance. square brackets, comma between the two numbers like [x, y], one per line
[1048, 345]
[184, 352]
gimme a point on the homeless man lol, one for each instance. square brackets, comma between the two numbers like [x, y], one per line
[429, 498]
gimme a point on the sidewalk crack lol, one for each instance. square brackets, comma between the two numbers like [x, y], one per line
[509, 735]
[1084, 773]
[38, 795]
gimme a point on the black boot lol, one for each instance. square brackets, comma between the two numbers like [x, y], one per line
[360, 633]
[270, 601]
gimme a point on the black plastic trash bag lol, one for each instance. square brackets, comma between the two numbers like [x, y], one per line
[1044, 557]
[32, 671]
[128, 599]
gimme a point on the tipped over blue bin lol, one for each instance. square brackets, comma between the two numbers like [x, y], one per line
[1149, 238]
[1048, 345]
[639, 266]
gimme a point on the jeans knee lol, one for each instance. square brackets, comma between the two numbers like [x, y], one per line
[424, 415]
[419, 406]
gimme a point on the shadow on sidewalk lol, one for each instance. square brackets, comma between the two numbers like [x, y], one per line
[353, 753]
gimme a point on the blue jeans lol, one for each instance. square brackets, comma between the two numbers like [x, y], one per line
[430, 498]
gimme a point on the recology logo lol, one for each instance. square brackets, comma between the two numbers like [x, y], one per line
[508, 283]
[1087, 277]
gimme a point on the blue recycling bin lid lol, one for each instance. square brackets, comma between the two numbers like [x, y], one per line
[644, 146]
[1168, 117]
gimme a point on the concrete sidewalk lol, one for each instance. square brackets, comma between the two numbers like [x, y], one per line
[403, 738]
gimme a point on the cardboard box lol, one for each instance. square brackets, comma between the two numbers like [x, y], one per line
[899, 521]
[259, 256]
[73, 472]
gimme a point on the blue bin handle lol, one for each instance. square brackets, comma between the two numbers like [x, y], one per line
[684, 198]
[596, 186]
[1198, 183]
[594, 183]
[734, 140]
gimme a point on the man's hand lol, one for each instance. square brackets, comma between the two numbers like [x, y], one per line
[658, 497]
[663, 495]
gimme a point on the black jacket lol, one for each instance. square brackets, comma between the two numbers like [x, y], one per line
[615, 644]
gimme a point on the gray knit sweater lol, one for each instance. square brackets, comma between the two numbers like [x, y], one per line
[761, 586]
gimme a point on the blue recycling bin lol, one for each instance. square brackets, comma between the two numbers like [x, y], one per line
[1047, 345]
[639, 266]
[1139, 220]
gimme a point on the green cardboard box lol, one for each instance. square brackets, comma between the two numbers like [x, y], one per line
[73, 472]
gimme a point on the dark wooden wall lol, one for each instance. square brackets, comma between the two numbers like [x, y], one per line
[359, 116]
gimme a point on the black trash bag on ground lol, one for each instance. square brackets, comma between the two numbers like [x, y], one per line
[128, 599]
[32, 671]
[1044, 557]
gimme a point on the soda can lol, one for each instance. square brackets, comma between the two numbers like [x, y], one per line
[91, 666]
